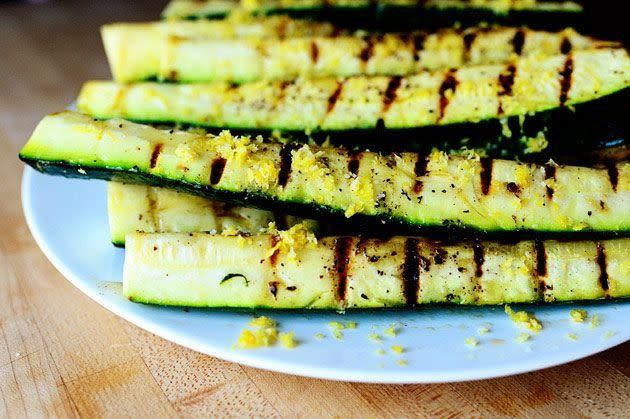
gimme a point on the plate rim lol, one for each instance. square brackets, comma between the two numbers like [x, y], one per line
[327, 373]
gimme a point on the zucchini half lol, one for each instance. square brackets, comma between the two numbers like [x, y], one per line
[392, 14]
[409, 189]
[351, 108]
[180, 52]
[349, 272]
[136, 51]
[158, 210]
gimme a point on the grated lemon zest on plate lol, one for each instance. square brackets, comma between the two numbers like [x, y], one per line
[578, 316]
[524, 319]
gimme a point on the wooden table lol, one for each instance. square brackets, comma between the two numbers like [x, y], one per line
[63, 354]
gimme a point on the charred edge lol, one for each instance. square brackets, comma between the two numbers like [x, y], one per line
[314, 52]
[541, 267]
[513, 188]
[565, 80]
[613, 174]
[336, 31]
[420, 169]
[286, 160]
[506, 81]
[216, 170]
[418, 44]
[485, 175]
[468, 39]
[603, 273]
[361, 245]
[565, 46]
[390, 93]
[478, 256]
[342, 260]
[273, 259]
[354, 161]
[449, 83]
[518, 41]
[154, 155]
[550, 173]
[282, 28]
[411, 272]
[280, 220]
[332, 100]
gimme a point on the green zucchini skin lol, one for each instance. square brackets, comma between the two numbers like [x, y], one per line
[340, 273]
[472, 102]
[149, 209]
[383, 15]
[416, 191]
[172, 52]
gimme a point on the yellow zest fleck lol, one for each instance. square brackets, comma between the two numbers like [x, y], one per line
[362, 195]
[595, 321]
[291, 240]
[287, 340]
[578, 316]
[572, 336]
[230, 231]
[397, 349]
[391, 331]
[524, 319]
[523, 337]
[609, 334]
[375, 337]
[336, 328]
[320, 336]
[351, 325]
[535, 144]
[380, 352]
[471, 342]
[402, 362]
[483, 330]
[263, 321]
[260, 338]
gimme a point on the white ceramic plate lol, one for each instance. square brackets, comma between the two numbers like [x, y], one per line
[68, 219]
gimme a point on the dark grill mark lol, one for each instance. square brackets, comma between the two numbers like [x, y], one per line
[418, 44]
[513, 187]
[420, 169]
[613, 174]
[368, 49]
[469, 38]
[282, 90]
[541, 267]
[314, 52]
[332, 100]
[506, 81]
[449, 83]
[273, 288]
[601, 261]
[565, 80]
[478, 257]
[518, 41]
[485, 175]
[216, 170]
[154, 155]
[550, 173]
[342, 260]
[354, 162]
[390, 93]
[565, 46]
[152, 198]
[273, 259]
[411, 272]
[281, 221]
[286, 160]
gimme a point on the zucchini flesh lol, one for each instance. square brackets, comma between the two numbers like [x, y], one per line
[471, 94]
[158, 210]
[136, 50]
[407, 188]
[144, 51]
[350, 272]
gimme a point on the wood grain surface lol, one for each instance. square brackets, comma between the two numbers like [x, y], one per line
[61, 354]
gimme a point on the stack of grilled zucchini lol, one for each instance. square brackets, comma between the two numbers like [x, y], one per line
[266, 161]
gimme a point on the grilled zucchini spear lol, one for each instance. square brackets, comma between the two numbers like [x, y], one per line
[190, 52]
[158, 210]
[348, 272]
[351, 108]
[407, 188]
[385, 14]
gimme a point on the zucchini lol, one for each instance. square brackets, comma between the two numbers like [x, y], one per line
[392, 14]
[409, 189]
[181, 52]
[137, 51]
[350, 272]
[159, 210]
[351, 108]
